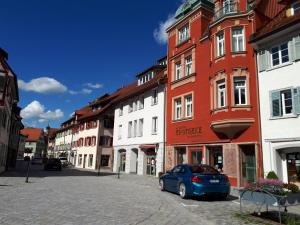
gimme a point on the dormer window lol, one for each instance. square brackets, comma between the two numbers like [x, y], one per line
[295, 8]
[183, 34]
[145, 78]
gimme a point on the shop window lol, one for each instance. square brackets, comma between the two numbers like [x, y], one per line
[90, 163]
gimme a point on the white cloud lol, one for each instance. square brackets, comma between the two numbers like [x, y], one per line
[35, 110]
[84, 91]
[94, 86]
[159, 33]
[44, 85]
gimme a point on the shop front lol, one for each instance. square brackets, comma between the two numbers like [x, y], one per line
[149, 159]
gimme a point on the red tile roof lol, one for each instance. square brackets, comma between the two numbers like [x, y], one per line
[33, 134]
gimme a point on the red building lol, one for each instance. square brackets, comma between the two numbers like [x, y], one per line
[212, 103]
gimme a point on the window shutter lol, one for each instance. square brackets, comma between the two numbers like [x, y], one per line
[296, 100]
[262, 60]
[297, 48]
[275, 104]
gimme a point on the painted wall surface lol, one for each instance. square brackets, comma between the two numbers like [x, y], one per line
[125, 143]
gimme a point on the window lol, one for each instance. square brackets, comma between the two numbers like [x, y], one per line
[130, 129]
[280, 54]
[141, 102]
[220, 44]
[240, 91]
[90, 160]
[154, 97]
[183, 34]
[282, 103]
[80, 159]
[120, 132]
[178, 109]
[188, 106]
[121, 110]
[238, 39]
[141, 127]
[229, 6]
[188, 66]
[154, 125]
[135, 128]
[177, 71]
[130, 107]
[221, 89]
[106, 141]
[295, 8]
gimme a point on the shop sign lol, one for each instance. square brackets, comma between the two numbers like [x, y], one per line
[187, 131]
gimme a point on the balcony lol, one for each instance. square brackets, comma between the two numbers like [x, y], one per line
[230, 7]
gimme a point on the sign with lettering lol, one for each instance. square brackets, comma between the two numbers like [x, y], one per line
[188, 131]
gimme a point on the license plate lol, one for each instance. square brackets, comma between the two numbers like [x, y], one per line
[214, 181]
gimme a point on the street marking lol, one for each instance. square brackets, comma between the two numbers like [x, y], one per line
[184, 205]
[236, 202]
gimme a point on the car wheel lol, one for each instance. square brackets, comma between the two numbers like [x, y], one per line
[161, 185]
[224, 196]
[182, 191]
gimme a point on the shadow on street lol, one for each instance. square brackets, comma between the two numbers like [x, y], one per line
[38, 171]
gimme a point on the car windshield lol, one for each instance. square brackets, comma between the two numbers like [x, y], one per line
[203, 169]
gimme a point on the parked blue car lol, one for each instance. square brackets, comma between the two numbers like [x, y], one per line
[195, 180]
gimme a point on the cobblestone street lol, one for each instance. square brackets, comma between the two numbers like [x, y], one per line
[81, 197]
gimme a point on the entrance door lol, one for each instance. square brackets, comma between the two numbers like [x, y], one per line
[248, 164]
[84, 160]
[216, 157]
[293, 167]
[181, 155]
[151, 165]
[122, 161]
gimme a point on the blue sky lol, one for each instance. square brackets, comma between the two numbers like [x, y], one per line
[67, 52]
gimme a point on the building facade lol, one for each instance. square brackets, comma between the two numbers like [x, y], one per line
[212, 113]
[9, 113]
[139, 124]
[35, 145]
[278, 47]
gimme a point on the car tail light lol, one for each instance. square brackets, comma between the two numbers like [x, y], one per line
[196, 180]
[226, 179]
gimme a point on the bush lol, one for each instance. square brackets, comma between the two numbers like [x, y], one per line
[272, 175]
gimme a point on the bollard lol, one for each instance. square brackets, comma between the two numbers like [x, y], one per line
[27, 175]
[119, 173]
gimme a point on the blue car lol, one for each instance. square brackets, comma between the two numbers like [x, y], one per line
[195, 180]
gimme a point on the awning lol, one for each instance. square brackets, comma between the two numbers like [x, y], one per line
[147, 146]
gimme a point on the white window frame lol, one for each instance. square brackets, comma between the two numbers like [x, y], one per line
[188, 106]
[235, 39]
[220, 42]
[120, 132]
[178, 71]
[177, 108]
[188, 65]
[141, 102]
[280, 54]
[135, 124]
[129, 129]
[154, 125]
[154, 96]
[239, 89]
[219, 92]
[283, 106]
[141, 127]
[183, 34]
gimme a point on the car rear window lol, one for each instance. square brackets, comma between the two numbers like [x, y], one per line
[203, 169]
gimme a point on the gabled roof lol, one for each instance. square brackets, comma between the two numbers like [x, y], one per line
[33, 134]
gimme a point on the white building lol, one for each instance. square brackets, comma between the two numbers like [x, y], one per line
[139, 126]
[279, 93]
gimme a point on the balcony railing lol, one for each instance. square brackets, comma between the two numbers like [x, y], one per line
[229, 8]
